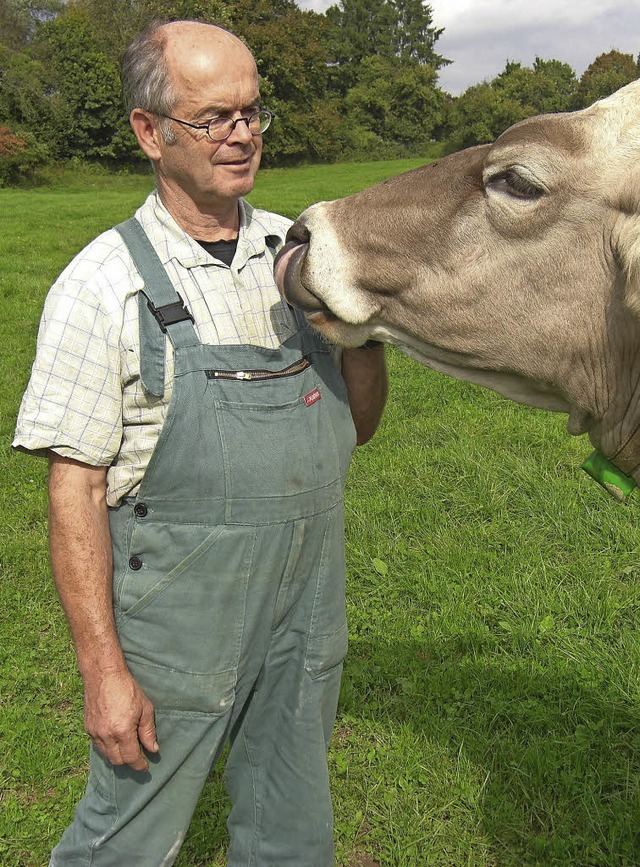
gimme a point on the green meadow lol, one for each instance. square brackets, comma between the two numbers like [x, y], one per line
[490, 708]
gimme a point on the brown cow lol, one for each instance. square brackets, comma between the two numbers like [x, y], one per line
[514, 265]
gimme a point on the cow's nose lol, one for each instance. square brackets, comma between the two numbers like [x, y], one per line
[298, 232]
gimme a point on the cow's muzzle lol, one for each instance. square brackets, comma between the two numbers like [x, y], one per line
[288, 270]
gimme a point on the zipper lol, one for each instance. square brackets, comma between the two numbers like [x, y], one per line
[254, 375]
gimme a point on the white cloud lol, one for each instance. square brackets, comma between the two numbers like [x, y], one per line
[482, 35]
[479, 15]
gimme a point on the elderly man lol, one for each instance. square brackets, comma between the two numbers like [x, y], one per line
[198, 434]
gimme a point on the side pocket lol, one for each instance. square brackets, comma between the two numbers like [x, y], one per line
[328, 638]
[326, 652]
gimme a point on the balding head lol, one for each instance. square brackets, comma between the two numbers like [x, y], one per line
[166, 49]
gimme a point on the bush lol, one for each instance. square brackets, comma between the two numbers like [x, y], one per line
[20, 156]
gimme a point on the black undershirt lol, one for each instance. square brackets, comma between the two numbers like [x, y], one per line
[222, 250]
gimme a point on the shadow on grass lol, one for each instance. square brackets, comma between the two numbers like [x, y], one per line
[551, 751]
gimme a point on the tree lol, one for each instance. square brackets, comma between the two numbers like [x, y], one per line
[415, 36]
[557, 85]
[396, 102]
[23, 87]
[117, 22]
[480, 114]
[20, 154]
[19, 19]
[85, 85]
[547, 87]
[485, 110]
[604, 76]
[380, 28]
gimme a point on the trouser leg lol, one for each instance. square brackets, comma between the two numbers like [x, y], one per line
[180, 623]
[277, 772]
[139, 819]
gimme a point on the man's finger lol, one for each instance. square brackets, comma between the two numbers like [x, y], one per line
[131, 754]
[147, 729]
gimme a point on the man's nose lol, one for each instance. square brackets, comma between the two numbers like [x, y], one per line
[240, 130]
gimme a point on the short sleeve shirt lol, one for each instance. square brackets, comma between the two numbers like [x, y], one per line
[85, 398]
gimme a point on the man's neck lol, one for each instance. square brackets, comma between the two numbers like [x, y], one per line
[219, 222]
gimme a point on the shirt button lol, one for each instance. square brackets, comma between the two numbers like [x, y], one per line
[135, 563]
[140, 510]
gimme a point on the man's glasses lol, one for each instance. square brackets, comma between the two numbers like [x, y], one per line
[220, 128]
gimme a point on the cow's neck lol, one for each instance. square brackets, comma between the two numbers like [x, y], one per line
[617, 433]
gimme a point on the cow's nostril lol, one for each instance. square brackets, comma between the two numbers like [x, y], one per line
[298, 232]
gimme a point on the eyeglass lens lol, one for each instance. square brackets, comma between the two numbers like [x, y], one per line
[222, 127]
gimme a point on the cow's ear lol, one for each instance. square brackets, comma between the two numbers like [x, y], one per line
[627, 248]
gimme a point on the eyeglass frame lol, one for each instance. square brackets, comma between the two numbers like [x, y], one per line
[207, 126]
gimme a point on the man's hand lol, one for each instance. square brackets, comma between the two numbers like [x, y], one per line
[118, 717]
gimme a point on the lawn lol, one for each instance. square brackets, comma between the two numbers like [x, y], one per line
[489, 715]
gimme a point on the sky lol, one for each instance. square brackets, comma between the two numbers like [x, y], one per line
[480, 36]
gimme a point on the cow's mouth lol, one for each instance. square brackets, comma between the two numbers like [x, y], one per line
[288, 266]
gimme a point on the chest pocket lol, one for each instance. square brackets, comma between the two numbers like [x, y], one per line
[276, 432]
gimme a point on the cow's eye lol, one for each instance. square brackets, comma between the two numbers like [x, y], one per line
[515, 184]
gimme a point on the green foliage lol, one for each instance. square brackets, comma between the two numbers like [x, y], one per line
[19, 19]
[89, 121]
[395, 101]
[480, 114]
[485, 110]
[604, 76]
[547, 87]
[390, 29]
[556, 84]
[117, 22]
[23, 87]
[20, 155]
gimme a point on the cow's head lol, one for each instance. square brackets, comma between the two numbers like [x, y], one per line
[514, 265]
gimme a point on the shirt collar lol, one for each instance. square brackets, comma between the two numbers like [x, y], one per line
[172, 242]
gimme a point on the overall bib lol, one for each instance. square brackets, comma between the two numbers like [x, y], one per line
[229, 597]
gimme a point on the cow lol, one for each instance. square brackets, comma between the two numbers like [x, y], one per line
[514, 265]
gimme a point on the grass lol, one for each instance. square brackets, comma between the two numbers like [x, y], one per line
[489, 709]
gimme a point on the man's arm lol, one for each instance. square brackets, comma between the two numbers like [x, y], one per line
[118, 715]
[365, 374]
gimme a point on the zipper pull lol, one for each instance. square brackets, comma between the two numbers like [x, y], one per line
[242, 374]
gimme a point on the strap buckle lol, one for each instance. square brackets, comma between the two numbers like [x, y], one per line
[169, 314]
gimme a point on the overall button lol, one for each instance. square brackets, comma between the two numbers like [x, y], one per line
[135, 563]
[140, 510]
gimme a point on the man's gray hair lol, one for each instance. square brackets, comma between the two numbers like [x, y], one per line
[146, 81]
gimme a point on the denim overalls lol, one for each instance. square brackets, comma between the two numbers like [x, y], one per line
[229, 597]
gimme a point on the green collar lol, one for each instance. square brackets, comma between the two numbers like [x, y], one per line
[609, 476]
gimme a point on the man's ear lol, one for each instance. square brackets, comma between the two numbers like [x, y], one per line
[144, 125]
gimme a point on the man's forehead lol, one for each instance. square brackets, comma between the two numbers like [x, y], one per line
[193, 44]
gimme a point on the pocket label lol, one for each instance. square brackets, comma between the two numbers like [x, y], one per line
[312, 397]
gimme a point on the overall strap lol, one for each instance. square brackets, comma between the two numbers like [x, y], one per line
[161, 310]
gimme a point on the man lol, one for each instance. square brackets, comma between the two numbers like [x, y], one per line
[198, 444]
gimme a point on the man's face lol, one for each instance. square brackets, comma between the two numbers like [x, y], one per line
[213, 74]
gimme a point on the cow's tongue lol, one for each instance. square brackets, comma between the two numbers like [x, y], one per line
[287, 270]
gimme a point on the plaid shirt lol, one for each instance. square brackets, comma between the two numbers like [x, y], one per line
[85, 399]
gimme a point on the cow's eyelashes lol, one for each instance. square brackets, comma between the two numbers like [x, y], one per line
[513, 183]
